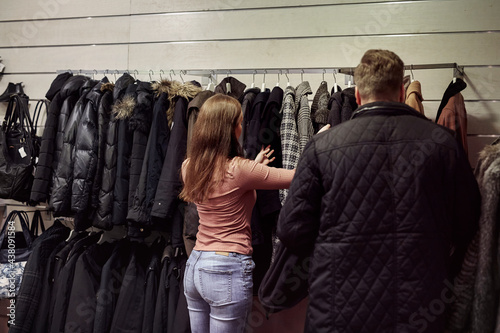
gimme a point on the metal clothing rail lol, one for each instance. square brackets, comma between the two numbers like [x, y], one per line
[280, 71]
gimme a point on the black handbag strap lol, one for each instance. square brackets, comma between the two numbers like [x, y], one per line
[23, 219]
[36, 114]
[35, 222]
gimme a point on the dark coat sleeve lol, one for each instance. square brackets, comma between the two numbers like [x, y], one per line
[298, 223]
[43, 173]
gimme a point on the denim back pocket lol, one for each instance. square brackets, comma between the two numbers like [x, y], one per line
[216, 286]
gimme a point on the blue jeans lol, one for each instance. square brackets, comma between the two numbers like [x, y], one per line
[218, 289]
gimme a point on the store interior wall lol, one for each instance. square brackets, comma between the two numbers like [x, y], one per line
[40, 37]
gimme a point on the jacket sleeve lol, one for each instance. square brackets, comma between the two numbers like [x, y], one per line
[466, 209]
[43, 173]
[299, 220]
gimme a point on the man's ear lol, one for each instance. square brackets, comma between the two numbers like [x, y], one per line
[358, 97]
[402, 93]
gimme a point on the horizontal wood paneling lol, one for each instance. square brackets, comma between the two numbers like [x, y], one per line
[65, 32]
[49, 9]
[154, 6]
[317, 52]
[364, 19]
[51, 59]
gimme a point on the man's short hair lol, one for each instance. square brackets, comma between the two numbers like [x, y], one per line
[379, 75]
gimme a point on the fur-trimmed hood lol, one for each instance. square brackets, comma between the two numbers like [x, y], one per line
[107, 87]
[124, 108]
[175, 89]
[143, 111]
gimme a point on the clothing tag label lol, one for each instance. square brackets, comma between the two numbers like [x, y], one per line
[22, 152]
[2, 67]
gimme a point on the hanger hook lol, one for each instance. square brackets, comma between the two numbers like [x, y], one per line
[411, 72]
[253, 76]
[171, 71]
[334, 77]
[161, 72]
[279, 77]
[180, 74]
[93, 74]
[301, 75]
[286, 74]
[136, 72]
[114, 73]
[324, 71]
[264, 78]
[151, 73]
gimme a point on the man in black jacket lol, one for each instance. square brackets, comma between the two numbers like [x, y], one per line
[386, 204]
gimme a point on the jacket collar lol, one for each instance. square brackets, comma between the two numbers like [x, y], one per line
[386, 109]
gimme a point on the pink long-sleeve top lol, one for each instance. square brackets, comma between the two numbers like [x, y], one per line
[225, 216]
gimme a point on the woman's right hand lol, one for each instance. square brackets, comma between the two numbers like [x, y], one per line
[264, 155]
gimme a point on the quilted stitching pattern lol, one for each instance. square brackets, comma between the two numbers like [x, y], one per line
[379, 242]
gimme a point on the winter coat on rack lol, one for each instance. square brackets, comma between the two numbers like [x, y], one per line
[124, 111]
[475, 307]
[319, 107]
[29, 296]
[167, 204]
[103, 120]
[61, 198]
[85, 157]
[452, 113]
[289, 135]
[342, 105]
[237, 88]
[59, 110]
[140, 125]
[414, 97]
[304, 123]
[251, 144]
[129, 311]
[112, 276]
[140, 214]
[373, 204]
[104, 212]
[39, 189]
[246, 108]
[86, 281]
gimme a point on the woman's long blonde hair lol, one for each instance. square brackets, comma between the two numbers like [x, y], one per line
[213, 143]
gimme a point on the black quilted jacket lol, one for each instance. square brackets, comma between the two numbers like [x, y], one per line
[381, 201]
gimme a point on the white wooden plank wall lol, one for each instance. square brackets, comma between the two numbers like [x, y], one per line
[39, 37]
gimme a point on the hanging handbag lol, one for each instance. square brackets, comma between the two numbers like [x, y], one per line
[15, 250]
[36, 224]
[17, 152]
[286, 281]
[37, 140]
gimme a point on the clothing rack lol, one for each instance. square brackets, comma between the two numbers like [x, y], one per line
[280, 71]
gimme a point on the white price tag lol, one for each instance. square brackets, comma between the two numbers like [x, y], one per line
[22, 152]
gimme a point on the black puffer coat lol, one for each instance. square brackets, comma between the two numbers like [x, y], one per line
[43, 173]
[103, 121]
[103, 216]
[60, 200]
[59, 110]
[85, 157]
[380, 201]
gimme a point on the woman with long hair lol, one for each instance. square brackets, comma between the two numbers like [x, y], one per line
[218, 277]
